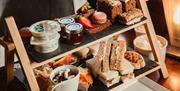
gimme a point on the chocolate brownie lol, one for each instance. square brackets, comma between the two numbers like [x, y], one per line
[111, 8]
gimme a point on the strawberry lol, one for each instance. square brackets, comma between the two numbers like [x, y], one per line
[85, 22]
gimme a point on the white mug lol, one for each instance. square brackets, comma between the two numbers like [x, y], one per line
[67, 85]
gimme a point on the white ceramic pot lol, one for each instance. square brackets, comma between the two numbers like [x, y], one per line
[45, 46]
[50, 28]
[67, 85]
[142, 46]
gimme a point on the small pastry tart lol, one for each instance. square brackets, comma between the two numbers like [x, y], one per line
[135, 59]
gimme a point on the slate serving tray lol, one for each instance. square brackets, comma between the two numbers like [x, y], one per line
[39, 57]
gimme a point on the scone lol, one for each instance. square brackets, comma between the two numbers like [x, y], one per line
[135, 59]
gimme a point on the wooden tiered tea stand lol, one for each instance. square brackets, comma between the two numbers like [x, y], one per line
[13, 44]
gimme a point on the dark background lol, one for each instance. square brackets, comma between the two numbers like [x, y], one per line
[26, 12]
[157, 15]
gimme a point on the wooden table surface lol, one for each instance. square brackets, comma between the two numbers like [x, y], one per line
[173, 81]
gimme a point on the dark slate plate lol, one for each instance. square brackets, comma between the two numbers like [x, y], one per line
[99, 86]
[39, 57]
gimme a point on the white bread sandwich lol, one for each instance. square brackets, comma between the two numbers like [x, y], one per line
[126, 67]
[109, 78]
[117, 54]
[127, 77]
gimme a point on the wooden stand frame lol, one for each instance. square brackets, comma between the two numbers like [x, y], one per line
[25, 62]
[9, 59]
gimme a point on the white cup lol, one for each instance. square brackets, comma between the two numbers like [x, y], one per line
[147, 51]
[67, 85]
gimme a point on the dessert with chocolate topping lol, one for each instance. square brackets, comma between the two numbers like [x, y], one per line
[63, 75]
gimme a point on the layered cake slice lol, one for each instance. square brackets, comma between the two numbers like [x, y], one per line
[128, 4]
[131, 16]
[112, 8]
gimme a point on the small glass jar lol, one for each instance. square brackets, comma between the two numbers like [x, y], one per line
[63, 22]
[74, 33]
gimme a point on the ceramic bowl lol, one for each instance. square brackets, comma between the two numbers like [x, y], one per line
[142, 46]
[67, 85]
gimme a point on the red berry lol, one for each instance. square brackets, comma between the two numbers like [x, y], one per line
[85, 22]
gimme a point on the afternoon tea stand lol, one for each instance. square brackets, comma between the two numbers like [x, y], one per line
[13, 44]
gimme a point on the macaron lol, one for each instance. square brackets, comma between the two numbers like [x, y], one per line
[99, 17]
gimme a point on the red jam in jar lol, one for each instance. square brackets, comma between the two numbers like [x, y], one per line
[63, 22]
[25, 34]
[74, 33]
